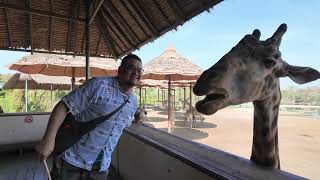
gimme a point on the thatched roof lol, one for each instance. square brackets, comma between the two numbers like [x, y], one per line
[61, 65]
[172, 64]
[116, 27]
[38, 81]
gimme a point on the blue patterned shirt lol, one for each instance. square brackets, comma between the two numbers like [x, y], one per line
[98, 97]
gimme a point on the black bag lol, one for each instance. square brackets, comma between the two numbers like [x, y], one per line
[71, 130]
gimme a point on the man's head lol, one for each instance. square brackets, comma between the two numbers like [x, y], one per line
[130, 71]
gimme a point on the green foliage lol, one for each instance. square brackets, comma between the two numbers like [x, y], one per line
[12, 100]
[308, 96]
[40, 100]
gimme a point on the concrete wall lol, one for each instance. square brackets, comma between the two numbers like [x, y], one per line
[21, 128]
[137, 160]
[146, 153]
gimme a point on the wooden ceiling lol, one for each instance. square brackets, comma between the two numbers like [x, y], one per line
[117, 27]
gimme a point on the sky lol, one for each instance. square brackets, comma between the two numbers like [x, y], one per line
[207, 37]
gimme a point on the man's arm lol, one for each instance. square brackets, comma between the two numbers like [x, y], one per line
[46, 145]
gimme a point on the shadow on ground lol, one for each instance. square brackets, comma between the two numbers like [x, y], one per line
[196, 125]
[187, 133]
[156, 119]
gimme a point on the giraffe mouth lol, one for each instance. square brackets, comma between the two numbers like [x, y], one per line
[212, 102]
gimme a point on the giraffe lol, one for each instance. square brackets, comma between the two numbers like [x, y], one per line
[191, 115]
[250, 72]
[141, 114]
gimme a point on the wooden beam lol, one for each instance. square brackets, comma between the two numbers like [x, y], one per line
[71, 26]
[95, 11]
[8, 27]
[105, 14]
[30, 28]
[135, 19]
[50, 26]
[161, 11]
[75, 29]
[44, 52]
[144, 17]
[38, 12]
[68, 36]
[179, 14]
[113, 30]
[121, 20]
[88, 52]
[105, 33]
[98, 44]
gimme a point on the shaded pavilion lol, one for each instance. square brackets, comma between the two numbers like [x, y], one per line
[100, 28]
[171, 66]
[65, 65]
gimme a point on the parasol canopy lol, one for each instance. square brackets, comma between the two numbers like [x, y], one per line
[172, 64]
[63, 65]
[38, 81]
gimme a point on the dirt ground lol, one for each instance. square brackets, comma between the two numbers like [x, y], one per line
[230, 130]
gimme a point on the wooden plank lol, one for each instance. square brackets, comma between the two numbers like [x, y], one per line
[121, 20]
[8, 27]
[179, 14]
[50, 26]
[95, 11]
[133, 17]
[107, 38]
[30, 28]
[38, 12]
[214, 162]
[144, 17]
[106, 15]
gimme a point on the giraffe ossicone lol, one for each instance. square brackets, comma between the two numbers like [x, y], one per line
[250, 72]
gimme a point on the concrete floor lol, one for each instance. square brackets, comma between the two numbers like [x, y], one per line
[26, 166]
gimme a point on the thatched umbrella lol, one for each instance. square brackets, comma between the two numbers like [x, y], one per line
[65, 65]
[171, 66]
[37, 81]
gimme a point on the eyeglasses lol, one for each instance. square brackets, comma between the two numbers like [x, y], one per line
[132, 68]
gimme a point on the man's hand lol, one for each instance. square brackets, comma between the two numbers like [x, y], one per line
[45, 148]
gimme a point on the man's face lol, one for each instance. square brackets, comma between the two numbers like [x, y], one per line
[131, 72]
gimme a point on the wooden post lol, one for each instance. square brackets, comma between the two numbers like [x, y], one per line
[184, 97]
[140, 94]
[170, 112]
[88, 44]
[145, 96]
[26, 95]
[73, 79]
[190, 107]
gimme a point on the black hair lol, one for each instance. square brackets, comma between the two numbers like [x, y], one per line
[129, 57]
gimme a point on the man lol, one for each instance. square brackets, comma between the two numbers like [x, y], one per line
[90, 157]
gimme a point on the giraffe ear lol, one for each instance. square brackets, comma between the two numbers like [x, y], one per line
[300, 75]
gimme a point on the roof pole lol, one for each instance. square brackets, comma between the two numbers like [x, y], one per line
[73, 79]
[26, 95]
[88, 44]
[190, 106]
[170, 110]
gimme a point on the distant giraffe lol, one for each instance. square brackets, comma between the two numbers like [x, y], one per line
[141, 114]
[191, 115]
[250, 72]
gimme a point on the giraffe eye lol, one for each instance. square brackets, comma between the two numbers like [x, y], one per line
[269, 63]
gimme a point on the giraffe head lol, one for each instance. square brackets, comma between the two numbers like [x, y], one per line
[248, 72]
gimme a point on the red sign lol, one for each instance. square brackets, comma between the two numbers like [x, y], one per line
[28, 119]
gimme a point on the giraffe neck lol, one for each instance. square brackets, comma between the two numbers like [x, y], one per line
[265, 151]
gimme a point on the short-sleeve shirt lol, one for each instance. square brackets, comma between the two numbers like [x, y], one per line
[98, 97]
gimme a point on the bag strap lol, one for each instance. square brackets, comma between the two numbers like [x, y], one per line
[101, 119]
